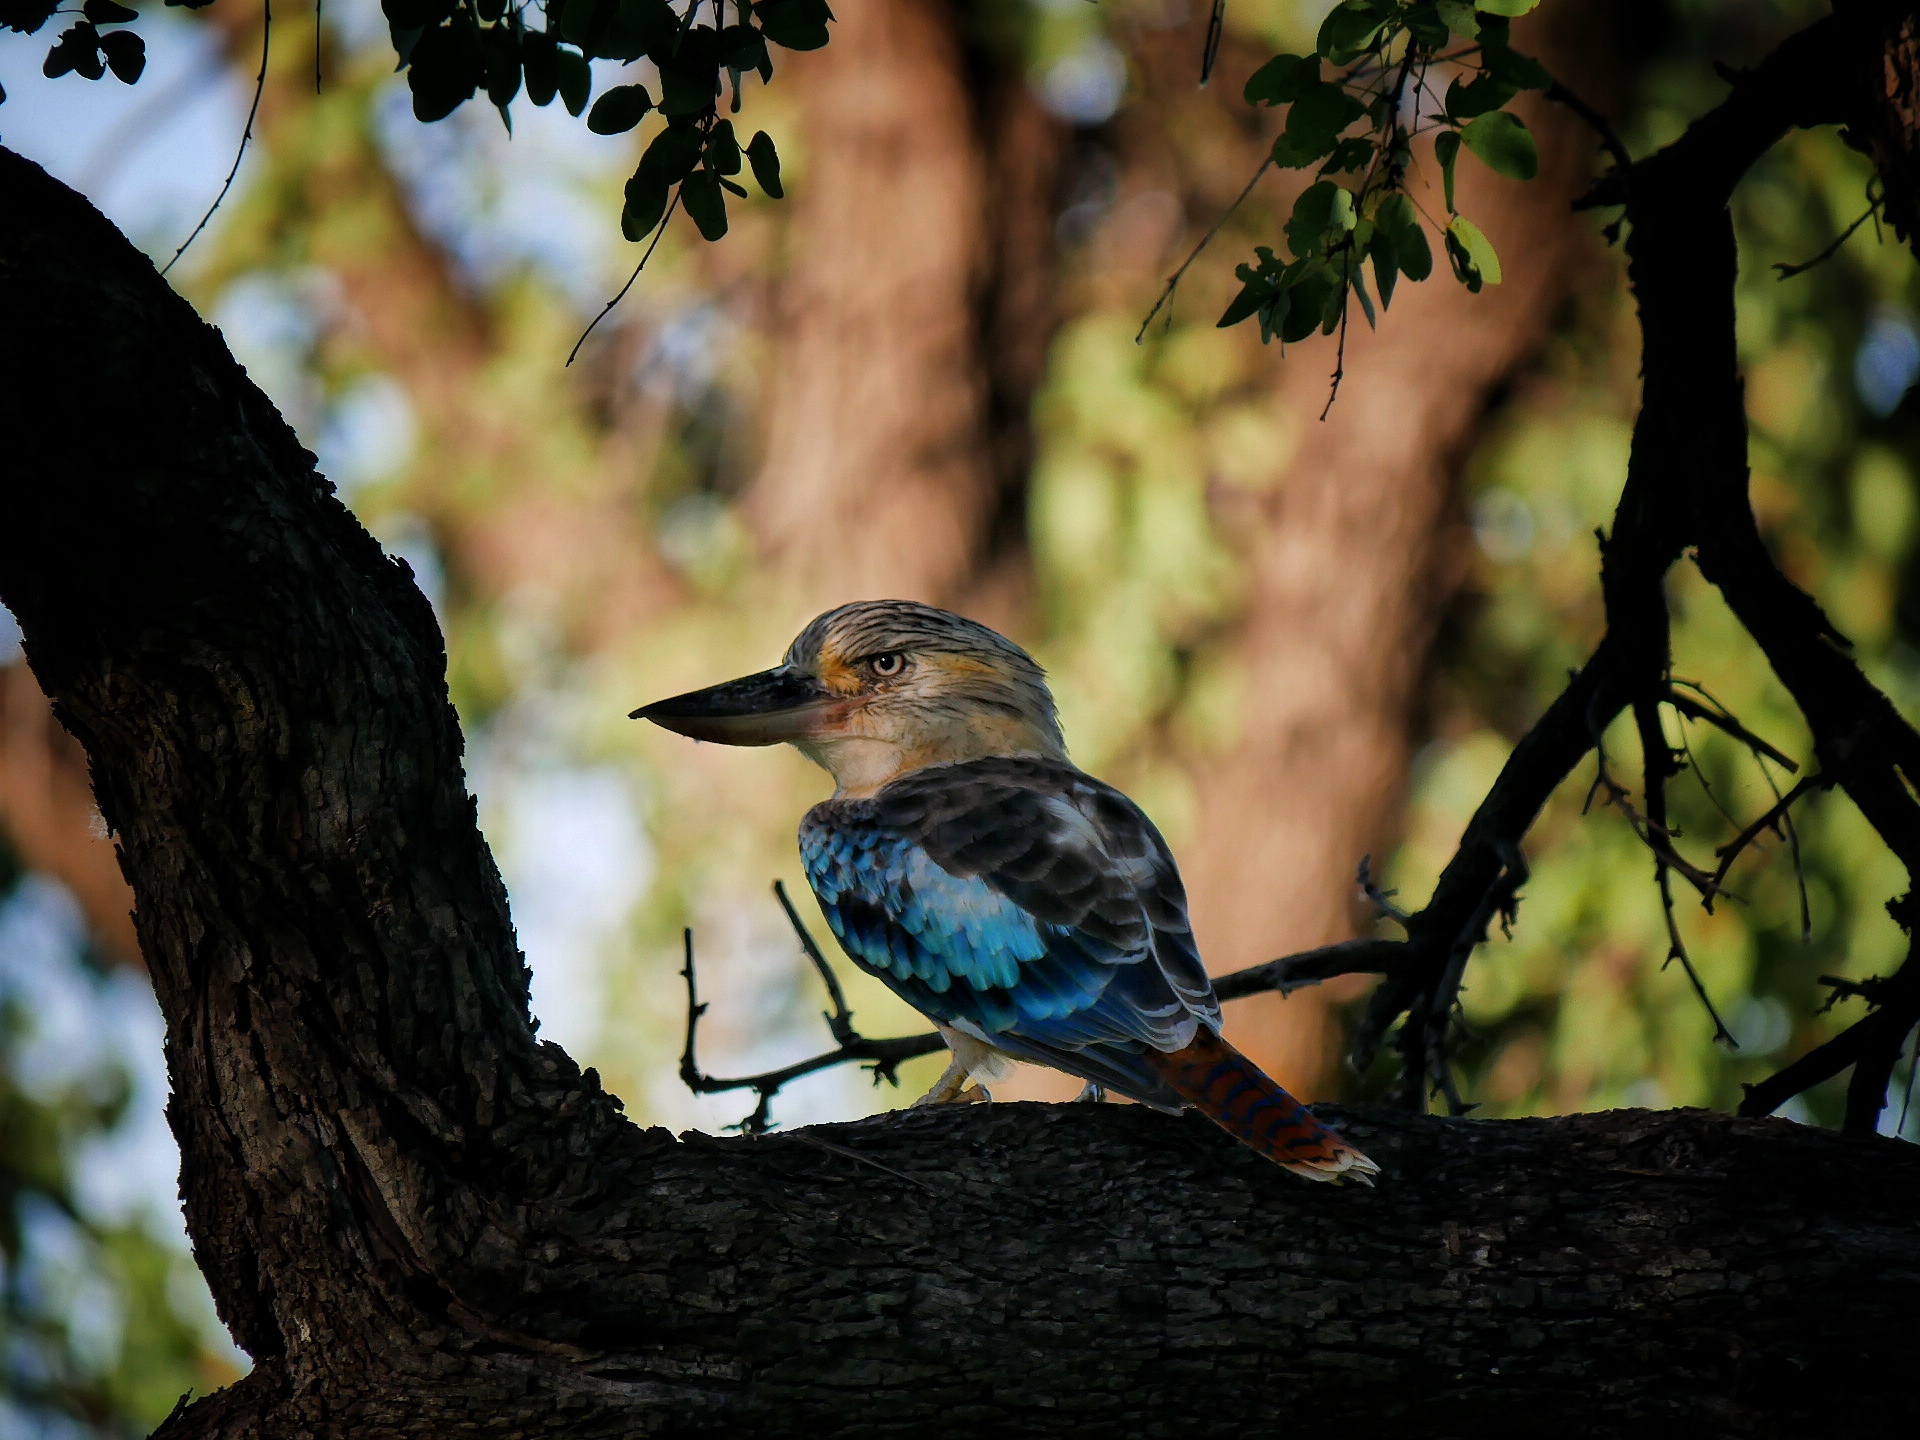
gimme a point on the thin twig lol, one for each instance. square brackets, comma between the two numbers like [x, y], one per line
[316, 45]
[1656, 760]
[1173, 280]
[1381, 900]
[1216, 28]
[1722, 718]
[1610, 140]
[607, 309]
[1787, 272]
[1310, 967]
[1771, 820]
[883, 1056]
[259, 89]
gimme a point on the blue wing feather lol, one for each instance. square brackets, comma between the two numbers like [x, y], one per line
[1025, 901]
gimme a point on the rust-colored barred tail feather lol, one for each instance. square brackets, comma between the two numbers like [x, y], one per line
[1233, 1092]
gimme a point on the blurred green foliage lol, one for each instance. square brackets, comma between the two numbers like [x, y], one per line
[104, 1324]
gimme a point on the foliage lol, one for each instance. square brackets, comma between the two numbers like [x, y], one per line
[1384, 53]
[103, 1324]
[455, 50]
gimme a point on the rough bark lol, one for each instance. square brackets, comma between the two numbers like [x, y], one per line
[419, 1219]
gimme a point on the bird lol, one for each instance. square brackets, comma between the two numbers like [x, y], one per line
[1029, 910]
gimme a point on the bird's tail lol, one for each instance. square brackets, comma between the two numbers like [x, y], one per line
[1234, 1093]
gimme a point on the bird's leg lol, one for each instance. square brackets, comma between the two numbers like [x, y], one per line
[1090, 1094]
[948, 1086]
[978, 1094]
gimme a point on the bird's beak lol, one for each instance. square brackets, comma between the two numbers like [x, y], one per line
[763, 709]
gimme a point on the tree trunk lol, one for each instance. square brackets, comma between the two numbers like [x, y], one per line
[420, 1220]
[914, 314]
[1348, 563]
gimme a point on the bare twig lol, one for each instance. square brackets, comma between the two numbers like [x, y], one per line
[1656, 758]
[1771, 820]
[1173, 280]
[607, 309]
[883, 1056]
[1787, 272]
[1610, 140]
[1216, 29]
[246, 136]
[1310, 967]
[1717, 715]
[1381, 900]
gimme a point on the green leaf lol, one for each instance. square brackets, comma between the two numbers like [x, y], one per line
[26, 16]
[586, 22]
[1357, 279]
[723, 150]
[1253, 296]
[1350, 155]
[1350, 29]
[1282, 80]
[447, 65]
[1386, 271]
[796, 24]
[1446, 149]
[1476, 97]
[575, 78]
[1510, 67]
[1504, 142]
[106, 12]
[1472, 254]
[674, 152]
[1313, 290]
[1459, 17]
[416, 14]
[1512, 9]
[765, 161]
[700, 195]
[1398, 221]
[1323, 210]
[1314, 123]
[503, 65]
[688, 91]
[646, 202]
[1424, 24]
[539, 56]
[126, 55]
[619, 110]
[77, 50]
[743, 48]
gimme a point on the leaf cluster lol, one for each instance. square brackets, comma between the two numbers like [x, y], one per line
[455, 49]
[1355, 129]
[87, 47]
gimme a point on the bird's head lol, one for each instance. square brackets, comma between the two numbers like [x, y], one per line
[878, 688]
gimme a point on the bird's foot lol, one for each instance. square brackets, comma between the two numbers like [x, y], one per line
[977, 1094]
[947, 1088]
[1090, 1094]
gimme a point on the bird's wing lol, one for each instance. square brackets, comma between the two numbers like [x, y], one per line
[1023, 901]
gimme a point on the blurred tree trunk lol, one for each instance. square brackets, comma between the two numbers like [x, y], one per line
[914, 315]
[1351, 565]
[47, 814]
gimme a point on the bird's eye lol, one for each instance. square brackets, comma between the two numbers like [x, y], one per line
[888, 665]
